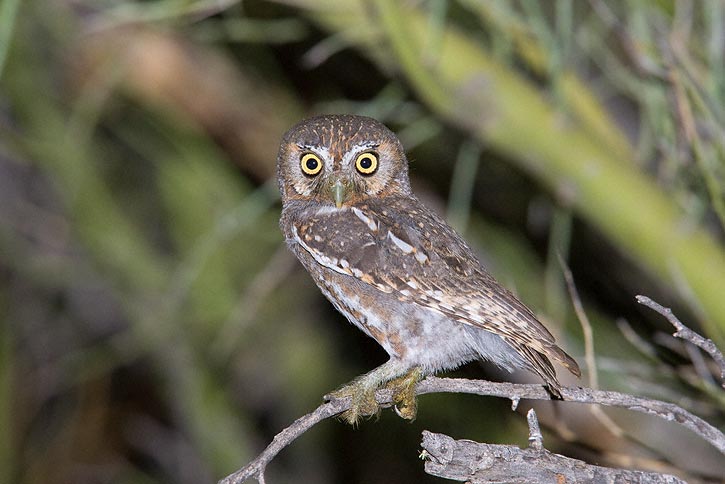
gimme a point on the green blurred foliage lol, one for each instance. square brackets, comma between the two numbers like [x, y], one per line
[156, 329]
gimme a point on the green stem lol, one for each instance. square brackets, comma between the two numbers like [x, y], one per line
[8, 14]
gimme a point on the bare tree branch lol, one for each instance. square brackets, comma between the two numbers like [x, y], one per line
[465, 460]
[511, 391]
[687, 334]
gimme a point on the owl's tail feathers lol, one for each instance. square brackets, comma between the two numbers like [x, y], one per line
[566, 361]
[539, 362]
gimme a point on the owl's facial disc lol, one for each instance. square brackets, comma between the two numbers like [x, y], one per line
[341, 160]
[336, 176]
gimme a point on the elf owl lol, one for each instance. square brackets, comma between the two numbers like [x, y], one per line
[394, 268]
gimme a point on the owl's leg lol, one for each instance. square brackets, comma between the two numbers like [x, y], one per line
[362, 390]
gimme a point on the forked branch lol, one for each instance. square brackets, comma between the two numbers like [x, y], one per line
[685, 333]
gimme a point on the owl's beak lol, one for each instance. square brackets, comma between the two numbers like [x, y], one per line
[338, 192]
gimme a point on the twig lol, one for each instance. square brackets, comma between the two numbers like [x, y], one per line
[511, 391]
[687, 334]
[465, 460]
[593, 371]
[536, 440]
[593, 374]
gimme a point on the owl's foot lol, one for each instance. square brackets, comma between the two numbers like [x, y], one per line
[362, 400]
[361, 391]
[403, 387]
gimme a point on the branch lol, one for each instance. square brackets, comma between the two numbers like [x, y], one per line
[517, 391]
[465, 460]
[512, 391]
[687, 334]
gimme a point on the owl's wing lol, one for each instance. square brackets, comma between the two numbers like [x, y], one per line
[414, 255]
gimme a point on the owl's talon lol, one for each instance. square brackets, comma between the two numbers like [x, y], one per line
[404, 399]
[407, 410]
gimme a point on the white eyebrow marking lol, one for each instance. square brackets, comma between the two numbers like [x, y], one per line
[321, 151]
[402, 245]
[355, 151]
[365, 219]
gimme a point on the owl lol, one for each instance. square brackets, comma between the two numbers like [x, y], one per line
[394, 268]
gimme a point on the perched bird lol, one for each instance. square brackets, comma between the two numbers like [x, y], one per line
[394, 268]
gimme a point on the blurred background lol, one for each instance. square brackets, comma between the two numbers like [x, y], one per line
[154, 328]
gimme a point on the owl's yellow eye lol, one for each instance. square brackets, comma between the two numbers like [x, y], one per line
[311, 164]
[366, 163]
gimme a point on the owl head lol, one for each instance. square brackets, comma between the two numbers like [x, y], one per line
[341, 160]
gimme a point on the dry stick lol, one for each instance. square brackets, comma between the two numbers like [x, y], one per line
[536, 440]
[465, 460]
[589, 357]
[511, 391]
[687, 334]
[585, 324]
[475, 463]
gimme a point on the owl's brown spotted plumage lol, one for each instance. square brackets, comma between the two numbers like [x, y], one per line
[393, 267]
